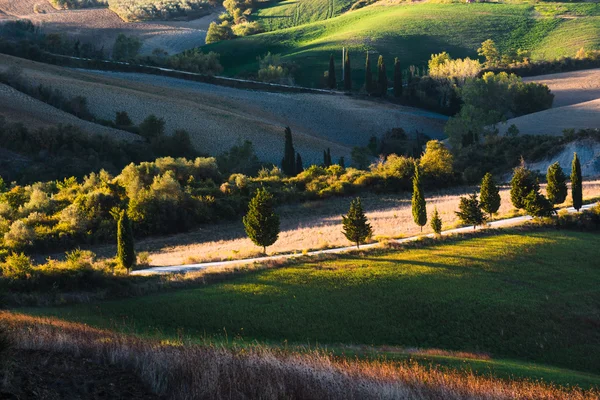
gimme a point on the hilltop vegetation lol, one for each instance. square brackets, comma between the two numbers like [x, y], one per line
[414, 32]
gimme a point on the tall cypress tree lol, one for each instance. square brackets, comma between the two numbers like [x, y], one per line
[342, 162]
[299, 166]
[557, 184]
[327, 157]
[125, 243]
[397, 78]
[419, 209]
[356, 228]
[382, 81]
[288, 163]
[261, 222]
[576, 183]
[329, 162]
[490, 195]
[368, 76]
[331, 80]
[347, 72]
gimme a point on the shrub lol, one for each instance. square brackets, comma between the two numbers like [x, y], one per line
[217, 33]
[17, 266]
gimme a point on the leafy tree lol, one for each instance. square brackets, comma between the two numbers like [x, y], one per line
[382, 80]
[576, 183]
[261, 222]
[152, 127]
[557, 184]
[356, 227]
[126, 47]
[217, 32]
[125, 243]
[122, 119]
[347, 72]
[490, 52]
[537, 205]
[470, 212]
[288, 163]
[299, 166]
[397, 78]
[436, 222]
[331, 79]
[368, 76]
[490, 195]
[437, 160]
[522, 183]
[419, 206]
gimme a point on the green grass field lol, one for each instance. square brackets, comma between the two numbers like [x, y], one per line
[533, 298]
[290, 13]
[413, 32]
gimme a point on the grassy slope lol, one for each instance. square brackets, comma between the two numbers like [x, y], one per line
[533, 298]
[414, 32]
[289, 13]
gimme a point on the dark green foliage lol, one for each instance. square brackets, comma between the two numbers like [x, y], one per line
[152, 127]
[327, 157]
[489, 195]
[523, 182]
[125, 243]
[557, 184]
[239, 159]
[261, 222]
[122, 119]
[126, 47]
[382, 81]
[576, 183]
[331, 79]
[537, 205]
[356, 228]
[288, 163]
[347, 72]
[341, 162]
[299, 166]
[436, 222]
[470, 212]
[368, 76]
[397, 78]
[419, 206]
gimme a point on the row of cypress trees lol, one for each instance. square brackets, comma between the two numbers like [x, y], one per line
[379, 87]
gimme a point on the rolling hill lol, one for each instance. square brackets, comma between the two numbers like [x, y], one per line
[413, 32]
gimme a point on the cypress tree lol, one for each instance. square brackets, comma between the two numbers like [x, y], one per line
[368, 76]
[261, 222]
[331, 80]
[382, 81]
[470, 212]
[490, 195]
[576, 183]
[341, 162]
[436, 222]
[419, 209]
[347, 72]
[356, 228]
[521, 184]
[397, 78]
[327, 157]
[537, 205]
[329, 162]
[299, 166]
[125, 243]
[288, 163]
[557, 184]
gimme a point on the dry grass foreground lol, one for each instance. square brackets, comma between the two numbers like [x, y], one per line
[218, 117]
[311, 225]
[184, 371]
[101, 26]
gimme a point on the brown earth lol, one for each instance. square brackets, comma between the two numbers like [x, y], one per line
[571, 87]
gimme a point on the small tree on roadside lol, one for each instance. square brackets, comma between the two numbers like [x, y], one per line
[356, 227]
[382, 81]
[489, 195]
[288, 163]
[576, 183]
[397, 78]
[470, 212]
[521, 184]
[299, 166]
[261, 222]
[347, 72]
[125, 242]
[331, 80]
[556, 189]
[368, 76]
[537, 205]
[436, 222]
[419, 206]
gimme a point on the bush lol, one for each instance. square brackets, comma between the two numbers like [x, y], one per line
[17, 266]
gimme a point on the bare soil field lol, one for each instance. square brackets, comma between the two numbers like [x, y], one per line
[571, 87]
[219, 117]
[101, 26]
[312, 225]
